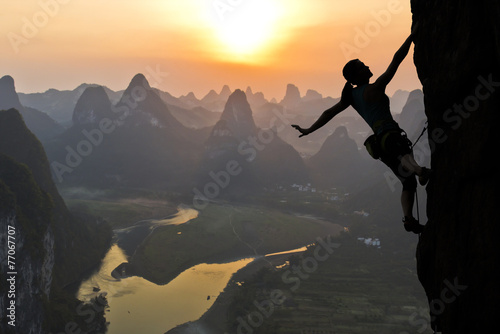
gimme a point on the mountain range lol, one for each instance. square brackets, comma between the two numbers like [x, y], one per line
[39, 122]
[143, 136]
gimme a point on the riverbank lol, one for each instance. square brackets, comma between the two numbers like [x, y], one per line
[357, 289]
[214, 320]
[221, 233]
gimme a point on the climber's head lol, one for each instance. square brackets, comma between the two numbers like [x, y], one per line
[356, 72]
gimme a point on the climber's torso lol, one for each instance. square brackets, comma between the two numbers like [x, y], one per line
[373, 106]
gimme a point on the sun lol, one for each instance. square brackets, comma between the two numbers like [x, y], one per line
[246, 28]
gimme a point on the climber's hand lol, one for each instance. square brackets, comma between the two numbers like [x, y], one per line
[304, 132]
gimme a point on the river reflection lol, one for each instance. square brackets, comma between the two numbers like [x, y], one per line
[139, 306]
[184, 215]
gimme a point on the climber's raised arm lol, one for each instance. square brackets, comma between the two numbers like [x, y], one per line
[328, 114]
[398, 58]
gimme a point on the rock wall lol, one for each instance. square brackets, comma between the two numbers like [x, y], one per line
[457, 54]
[53, 248]
[27, 249]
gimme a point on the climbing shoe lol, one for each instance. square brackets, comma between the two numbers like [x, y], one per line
[426, 175]
[412, 225]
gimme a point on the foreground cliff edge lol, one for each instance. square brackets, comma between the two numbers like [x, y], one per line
[45, 250]
[457, 54]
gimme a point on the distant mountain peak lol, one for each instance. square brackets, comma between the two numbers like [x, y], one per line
[312, 95]
[191, 95]
[141, 105]
[38, 122]
[7, 80]
[92, 106]
[140, 80]
[341, 132]
[238, 94]
[212, 92]
[415, 94]
[8, 95]
[225, 92]
[292, 97]
[238, 115]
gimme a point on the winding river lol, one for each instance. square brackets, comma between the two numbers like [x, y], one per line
[139, 306]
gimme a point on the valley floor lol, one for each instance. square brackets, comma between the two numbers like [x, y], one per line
[346, 288]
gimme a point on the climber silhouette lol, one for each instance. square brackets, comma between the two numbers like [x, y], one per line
[389, 142]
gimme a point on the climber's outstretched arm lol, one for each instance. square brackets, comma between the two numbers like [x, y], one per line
[398, 58]
[328, 114]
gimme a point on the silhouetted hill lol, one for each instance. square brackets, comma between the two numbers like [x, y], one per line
[292, 97]
[216, 101]
[135, 142]
[38, 122]
[211, 97]
[59, 104]
[263, 158]
[141, 105]
[457, 56]
[412, 116]
[55, 248]
[338, 163]
[255, 99]
[238, 115]
[312, 95]
[92, 106]
[190, 100]
[398, 100]
[195, 118]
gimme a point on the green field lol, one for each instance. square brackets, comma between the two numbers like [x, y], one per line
[358, 289]
[121, 208]
[224, 233]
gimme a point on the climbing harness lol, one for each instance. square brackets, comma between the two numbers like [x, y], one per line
[372, 146]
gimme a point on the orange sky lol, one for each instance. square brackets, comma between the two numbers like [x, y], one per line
[198, 45]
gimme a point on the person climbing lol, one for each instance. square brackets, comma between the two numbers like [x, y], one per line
[372, 104]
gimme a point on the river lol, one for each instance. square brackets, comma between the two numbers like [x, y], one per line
[140, 306]
[137, 305]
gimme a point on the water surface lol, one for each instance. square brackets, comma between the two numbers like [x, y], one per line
[139, 306]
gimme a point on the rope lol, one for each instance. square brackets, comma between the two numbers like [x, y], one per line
[418, 210]
[421, 134]
[412, 146]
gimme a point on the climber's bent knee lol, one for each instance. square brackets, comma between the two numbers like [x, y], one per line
[410, 183]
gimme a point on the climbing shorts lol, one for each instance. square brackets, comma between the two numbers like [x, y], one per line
[393, 146]
[394, 143]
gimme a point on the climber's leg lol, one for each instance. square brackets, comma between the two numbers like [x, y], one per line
[410, 164]
[407, 200]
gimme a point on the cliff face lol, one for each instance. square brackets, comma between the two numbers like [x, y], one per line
[457, 53]
[53, 249]
[27, 248]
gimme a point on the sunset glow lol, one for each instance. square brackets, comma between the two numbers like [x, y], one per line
[201, 44]
[246, 32]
